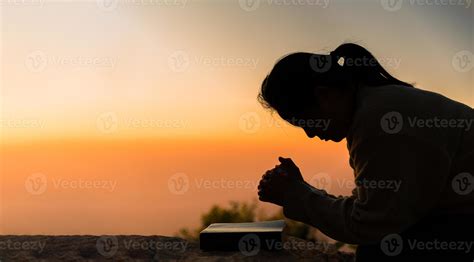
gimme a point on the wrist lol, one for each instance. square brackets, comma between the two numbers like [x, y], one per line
[294, 200]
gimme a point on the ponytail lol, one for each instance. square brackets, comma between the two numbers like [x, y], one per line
[360, 65]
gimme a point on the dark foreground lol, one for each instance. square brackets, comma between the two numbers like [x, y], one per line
[153, 248]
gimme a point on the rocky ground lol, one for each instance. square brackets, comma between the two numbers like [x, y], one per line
[151, 248]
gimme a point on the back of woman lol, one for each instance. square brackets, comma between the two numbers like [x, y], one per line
[435, 201]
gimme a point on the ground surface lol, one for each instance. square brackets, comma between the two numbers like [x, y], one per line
[151, 248]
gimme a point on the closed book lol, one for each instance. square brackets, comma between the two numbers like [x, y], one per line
[244, 237]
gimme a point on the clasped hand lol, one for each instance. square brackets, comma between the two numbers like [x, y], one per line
[275, 183]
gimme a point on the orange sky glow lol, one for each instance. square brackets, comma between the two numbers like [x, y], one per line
[105, 108]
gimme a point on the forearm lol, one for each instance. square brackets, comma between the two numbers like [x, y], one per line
[376, 211]
[331, 215]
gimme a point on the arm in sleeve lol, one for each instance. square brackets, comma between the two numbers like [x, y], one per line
[398, 181]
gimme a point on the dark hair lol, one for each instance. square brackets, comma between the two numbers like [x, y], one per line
[289, 86]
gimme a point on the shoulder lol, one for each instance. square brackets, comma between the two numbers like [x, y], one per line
[393, 110]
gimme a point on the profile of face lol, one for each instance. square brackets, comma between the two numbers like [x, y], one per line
[329, 117]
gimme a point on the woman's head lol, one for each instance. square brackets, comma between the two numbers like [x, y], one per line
[306, 89]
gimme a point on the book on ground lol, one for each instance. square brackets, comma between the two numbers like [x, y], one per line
[246, 237]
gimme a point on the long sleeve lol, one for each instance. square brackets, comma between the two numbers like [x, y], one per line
[398, 181]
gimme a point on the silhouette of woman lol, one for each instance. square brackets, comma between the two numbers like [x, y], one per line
[412, 152]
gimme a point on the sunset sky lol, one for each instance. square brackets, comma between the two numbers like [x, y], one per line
[108, 104]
